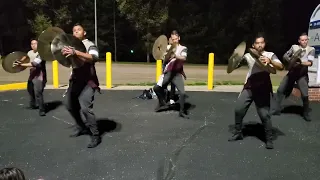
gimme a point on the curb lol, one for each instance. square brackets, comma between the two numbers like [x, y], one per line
[218, 88]
[13, 86]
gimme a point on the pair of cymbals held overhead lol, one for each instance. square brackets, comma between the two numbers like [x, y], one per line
[237, 56]
[50, 45]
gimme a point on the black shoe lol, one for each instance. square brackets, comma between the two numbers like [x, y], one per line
[95, 141]
[276, 112]
[269, 145]
[306, 109]
[31, 107]
[183, 115]
[42, 113]
[161, 108]
[306, 117]
[236, 137]
[81, 132]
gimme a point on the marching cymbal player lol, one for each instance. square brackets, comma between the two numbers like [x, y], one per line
[173, 87]
[83, 84]
[257, 89]
[298, 73]
[173, 73]
[37, 78]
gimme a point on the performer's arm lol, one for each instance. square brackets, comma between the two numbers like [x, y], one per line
[183, 55]
[243, 62]
[310, 58]
[288, 54]
[91, 56]
[35, 63]
[276, 63]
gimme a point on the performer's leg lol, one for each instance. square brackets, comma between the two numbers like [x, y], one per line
[86, 100]
[179, 83]
[285, 87]
[160, 87]
[262, 102]
[38, 91]
[73, 106]
[172, 93]
[303, 86]
[30, 88]
[242, 105]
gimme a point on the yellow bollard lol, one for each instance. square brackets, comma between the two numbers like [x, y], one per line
[158, 69]
[55, 74]
[210, 71]
[108, 71]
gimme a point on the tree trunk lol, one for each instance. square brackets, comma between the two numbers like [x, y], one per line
[148, 57]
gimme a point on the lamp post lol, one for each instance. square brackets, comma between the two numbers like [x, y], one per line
[95, 23]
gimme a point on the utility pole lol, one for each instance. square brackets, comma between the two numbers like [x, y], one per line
[114, 31]
[95, 23]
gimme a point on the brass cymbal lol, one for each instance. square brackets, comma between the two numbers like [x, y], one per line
[267, 67]
[62, 40]
[10, 59]
[295, 58]
[44, 42]
[160, 47]
[236, 57]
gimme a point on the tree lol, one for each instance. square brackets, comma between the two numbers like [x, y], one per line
[48, 13]
[148, 18]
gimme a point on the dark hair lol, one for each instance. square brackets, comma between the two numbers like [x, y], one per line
[259, 35]
[33, 39]
[303, 34]
[11, 174]
[175, 32]
[78, 24]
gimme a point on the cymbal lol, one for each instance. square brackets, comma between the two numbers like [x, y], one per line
[7, 62]
[295, 58]
[236, 57]
[62, 40]
[160, 47]
[267, 67]
[44, 42]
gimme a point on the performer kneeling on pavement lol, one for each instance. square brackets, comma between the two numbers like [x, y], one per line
[82, 87]
[171, 96]
[173, 73]
[257, 89]
[298, 73]
[37, 78]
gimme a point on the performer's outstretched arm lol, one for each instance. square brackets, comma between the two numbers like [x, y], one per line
[310, 58]
[183, 55]
[276, 63]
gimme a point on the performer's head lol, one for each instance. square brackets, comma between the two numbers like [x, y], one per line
[175, 38]
[303, 40]
[170, 40]
[259, 42]
[78, 31]
[34, 45]
[11, 174]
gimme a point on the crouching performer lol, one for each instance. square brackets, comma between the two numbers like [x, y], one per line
[173, 73]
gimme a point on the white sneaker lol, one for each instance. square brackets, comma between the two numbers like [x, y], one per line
[172, 101]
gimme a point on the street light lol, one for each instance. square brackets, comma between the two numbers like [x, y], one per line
[95, 23]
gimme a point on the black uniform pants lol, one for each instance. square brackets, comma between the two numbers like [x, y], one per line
[262, 102]
[286, 87]
[35, 89]
[164, 81]
[80, 98]
[172, 88]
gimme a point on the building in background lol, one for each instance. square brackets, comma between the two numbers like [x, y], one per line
[314, 41]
